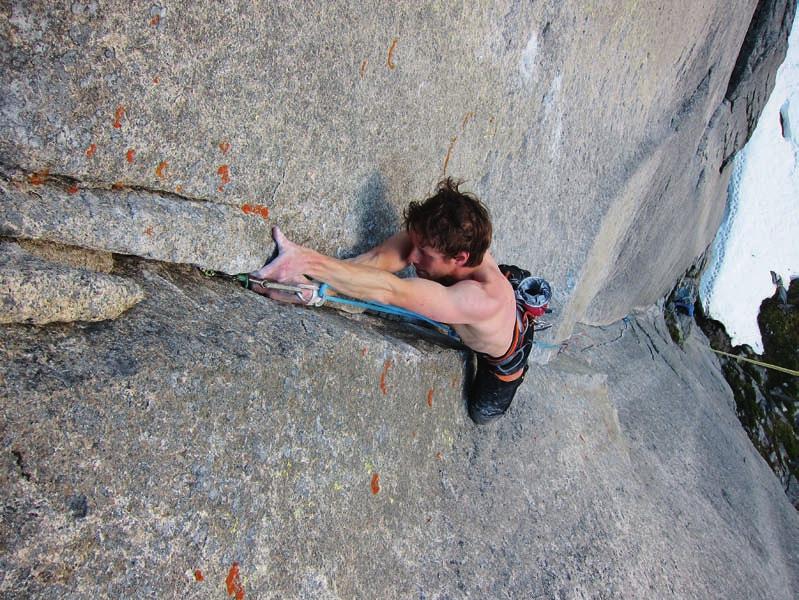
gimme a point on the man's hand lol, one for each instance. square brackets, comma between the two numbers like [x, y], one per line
[288, 267]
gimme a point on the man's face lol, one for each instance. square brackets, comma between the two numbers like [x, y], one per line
[429, 262]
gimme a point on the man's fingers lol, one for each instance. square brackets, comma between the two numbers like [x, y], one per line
[264, 272]
[283, 297]
[280, 295]
[280, 239]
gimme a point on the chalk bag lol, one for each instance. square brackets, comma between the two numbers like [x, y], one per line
[534, 294]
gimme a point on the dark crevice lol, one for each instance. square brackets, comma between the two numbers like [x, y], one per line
[688, 104]
[15, 174]
[758, 41]
[785, 122]
[21, 465]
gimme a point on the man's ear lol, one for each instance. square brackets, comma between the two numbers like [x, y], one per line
[461, 258]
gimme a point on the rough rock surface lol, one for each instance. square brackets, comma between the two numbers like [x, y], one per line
[767, 400]
[71, 256]
[594, 133]
[36, 291]
[208, 441]
[136, 222]
[208, 426]
[752, 80]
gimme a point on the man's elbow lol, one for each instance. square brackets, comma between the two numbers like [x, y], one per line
[386, 296]
[391, 293]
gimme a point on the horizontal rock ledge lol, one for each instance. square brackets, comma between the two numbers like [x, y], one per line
[150, 225]
[36, 291]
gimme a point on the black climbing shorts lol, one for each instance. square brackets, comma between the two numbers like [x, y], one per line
[497, 379]
[489, 398]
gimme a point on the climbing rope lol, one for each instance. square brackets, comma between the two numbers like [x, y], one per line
[386, 309]
[314, 295]
[758, 363]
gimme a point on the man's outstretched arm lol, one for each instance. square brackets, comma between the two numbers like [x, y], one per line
[464, 302]
[391, 255]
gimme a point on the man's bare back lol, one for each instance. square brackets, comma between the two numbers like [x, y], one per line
[493, 335]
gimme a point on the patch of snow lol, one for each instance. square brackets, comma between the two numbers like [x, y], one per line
[760, 231]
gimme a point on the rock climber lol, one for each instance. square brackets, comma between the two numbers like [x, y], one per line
[446, 239]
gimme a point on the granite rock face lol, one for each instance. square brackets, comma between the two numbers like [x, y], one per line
[331, 457]
[136, 222]
[70, 256]
[767, 400]
[597, 135]
[208, 441]
[37, 291]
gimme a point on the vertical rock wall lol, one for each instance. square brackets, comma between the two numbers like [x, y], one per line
[595, 132]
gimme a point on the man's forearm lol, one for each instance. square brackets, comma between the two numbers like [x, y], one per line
[391, 255]
[352, 279]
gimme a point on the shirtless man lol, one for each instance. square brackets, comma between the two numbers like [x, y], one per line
[446, 239]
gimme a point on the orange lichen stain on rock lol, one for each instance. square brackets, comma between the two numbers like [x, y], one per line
[386, 367]
[375, 484]
[430, 397]
[38, 178]
[118, 185]
[118, 114]
[73, 189]
[198, 575]
[224, 147]
[155, 21]
[362, 70]
[233, 582]
[159, 170]
[255, 209]
[149, 231]
[130, 155]
[466, 118]
[224, 174]
[390, 59]
[91, 150]
[449, 152]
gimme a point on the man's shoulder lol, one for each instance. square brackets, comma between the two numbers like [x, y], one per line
[488, 287]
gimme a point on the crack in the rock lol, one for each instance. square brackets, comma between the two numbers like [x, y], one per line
[277, 187]
[616, 339]
[21, 465]
[651, 344]
[68, 181]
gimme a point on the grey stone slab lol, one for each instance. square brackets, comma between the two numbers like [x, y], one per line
[596, 135]
[146, 224]
[37, 291]
[71, 256]
[208, 426]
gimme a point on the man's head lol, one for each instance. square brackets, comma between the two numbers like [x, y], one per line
[452, 223]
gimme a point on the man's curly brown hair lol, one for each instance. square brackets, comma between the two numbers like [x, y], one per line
[451, 221]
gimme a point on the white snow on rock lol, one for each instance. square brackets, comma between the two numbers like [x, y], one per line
[760, 232]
